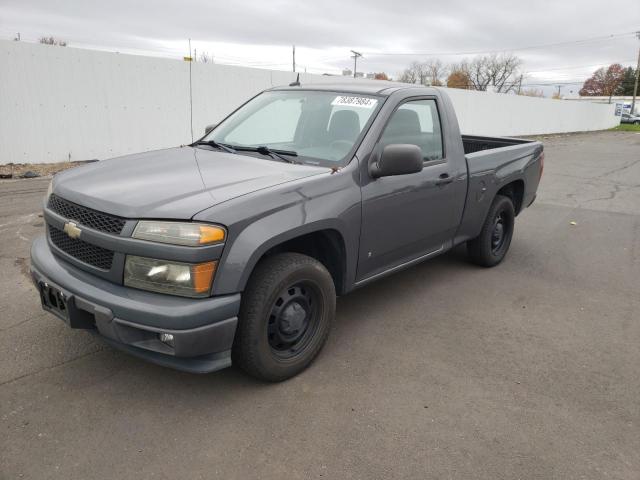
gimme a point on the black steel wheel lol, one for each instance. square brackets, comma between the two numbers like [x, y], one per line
[294, 319]
[491, 246]
[498, 234]
[285, 317]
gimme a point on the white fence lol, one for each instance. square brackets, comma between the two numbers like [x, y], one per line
[60, 104]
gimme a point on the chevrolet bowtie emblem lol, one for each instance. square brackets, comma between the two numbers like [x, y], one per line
[72, 230]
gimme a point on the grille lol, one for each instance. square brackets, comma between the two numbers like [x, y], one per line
[86, 216]
[85, 252]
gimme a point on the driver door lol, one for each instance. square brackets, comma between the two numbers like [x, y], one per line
[406, 217]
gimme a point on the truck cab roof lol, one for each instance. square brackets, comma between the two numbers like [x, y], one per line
[364, 87]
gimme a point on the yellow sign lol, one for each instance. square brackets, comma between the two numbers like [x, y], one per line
[187, 59]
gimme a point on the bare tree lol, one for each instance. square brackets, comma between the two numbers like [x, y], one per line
[412, 74]
[500, 72]
[531, 92]
[435, 72]
[205, 57]
[428, 73]
[50, 40]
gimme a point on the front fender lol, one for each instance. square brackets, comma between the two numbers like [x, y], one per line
[263, 220]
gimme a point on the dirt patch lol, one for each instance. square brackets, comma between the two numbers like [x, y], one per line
[23, 266]
[19, 170]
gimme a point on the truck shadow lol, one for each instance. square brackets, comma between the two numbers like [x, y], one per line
[352, 314]
[402, 286]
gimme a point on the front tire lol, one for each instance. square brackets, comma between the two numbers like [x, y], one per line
[490, 247]
[285, 317]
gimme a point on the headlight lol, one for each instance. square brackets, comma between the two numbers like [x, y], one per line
[176, 233]
[174, 278]
[49, 192]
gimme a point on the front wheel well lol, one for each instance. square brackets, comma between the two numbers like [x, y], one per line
[326, 246]
[514, 191]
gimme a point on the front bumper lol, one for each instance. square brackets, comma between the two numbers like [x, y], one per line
[131, 320]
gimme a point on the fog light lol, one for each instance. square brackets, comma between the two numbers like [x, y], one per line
[166, 338]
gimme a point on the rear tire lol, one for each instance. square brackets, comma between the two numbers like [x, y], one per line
[490, 247]
[285, 317]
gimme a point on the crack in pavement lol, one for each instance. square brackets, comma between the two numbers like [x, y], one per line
[619, 169]
[51, 367]
[612, 195]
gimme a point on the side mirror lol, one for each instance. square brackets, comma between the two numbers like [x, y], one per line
[397, 159]
[208, 128]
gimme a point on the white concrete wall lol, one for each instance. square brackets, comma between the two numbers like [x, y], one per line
[484, 113]
[60, 104]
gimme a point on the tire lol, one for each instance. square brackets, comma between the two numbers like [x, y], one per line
[285, 316]
[490, 247]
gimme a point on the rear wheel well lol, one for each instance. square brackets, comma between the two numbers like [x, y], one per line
[515, 191]
[326, 246]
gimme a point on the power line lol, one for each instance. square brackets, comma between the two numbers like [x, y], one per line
[579, 66]
[316, 65]
[531, 47]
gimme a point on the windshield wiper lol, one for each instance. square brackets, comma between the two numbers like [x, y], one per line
[214, 144]
[264, 150]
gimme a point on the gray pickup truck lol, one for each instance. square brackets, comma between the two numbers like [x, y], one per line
[235, 247]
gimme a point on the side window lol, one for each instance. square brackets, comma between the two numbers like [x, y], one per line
[418, 123]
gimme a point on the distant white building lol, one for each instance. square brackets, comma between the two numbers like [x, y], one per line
[624, 102]
[347, 72]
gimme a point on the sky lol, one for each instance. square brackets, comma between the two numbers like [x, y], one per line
[390, 35]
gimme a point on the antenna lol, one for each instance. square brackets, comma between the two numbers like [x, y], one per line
[296, 83]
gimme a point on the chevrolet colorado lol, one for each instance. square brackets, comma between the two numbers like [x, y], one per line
[235, 247]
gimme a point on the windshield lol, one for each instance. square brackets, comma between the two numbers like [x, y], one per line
[320, 127]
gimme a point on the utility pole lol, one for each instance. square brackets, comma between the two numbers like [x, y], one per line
[559, 88]
[294, 58]
[190, 92]
[635, 86]
[519, 84]
[355, 57]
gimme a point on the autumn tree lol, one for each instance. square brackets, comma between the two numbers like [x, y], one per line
[458, 79]
[604, 82]
[381, 76]
[50, 40]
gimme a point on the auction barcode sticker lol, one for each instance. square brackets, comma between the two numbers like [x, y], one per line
[347, 101]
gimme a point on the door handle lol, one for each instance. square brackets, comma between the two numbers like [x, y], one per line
[444, 179]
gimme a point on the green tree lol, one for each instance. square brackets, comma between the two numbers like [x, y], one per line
[628, 80]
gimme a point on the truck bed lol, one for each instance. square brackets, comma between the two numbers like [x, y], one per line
[473, 143]
[494, 161]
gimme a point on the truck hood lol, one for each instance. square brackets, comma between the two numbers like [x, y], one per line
[175, 183]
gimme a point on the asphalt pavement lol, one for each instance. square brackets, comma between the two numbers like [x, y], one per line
[530, 370]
